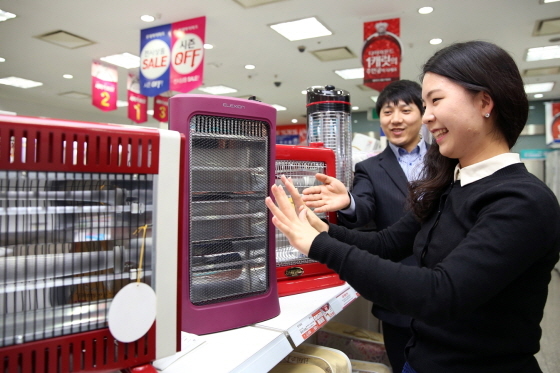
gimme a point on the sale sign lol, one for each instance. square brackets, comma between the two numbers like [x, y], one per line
[137, 103]
[187, 54]
[171, 57]
[104, 79]
[552, 119]
[161, 108]
[155, 55]
[381, 53]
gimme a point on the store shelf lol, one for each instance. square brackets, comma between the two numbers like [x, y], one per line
[259, 347]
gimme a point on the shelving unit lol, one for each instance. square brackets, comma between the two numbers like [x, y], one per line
[259, 347]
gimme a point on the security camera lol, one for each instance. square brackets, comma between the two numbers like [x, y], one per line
[278, 84]
[301, 48]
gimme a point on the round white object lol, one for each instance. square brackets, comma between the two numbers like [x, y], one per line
[132, 312]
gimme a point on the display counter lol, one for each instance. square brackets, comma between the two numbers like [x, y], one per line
[259, 347]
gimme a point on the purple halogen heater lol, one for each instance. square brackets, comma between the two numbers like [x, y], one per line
[227, 240]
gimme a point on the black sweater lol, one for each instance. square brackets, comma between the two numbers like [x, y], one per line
[484, 263]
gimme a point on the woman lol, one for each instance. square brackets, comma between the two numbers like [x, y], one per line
[484, 231]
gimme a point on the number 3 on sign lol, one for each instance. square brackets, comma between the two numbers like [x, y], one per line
[105, 97]
[162, 112]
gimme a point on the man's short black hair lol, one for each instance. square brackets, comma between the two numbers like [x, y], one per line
[406, 91]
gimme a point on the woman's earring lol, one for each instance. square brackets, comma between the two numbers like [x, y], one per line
[487, 115]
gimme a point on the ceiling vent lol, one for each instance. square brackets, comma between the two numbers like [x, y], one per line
[75, 95]
[334, 54]
[541, 71]
[547, 27]
[65, 39]
[253, 3]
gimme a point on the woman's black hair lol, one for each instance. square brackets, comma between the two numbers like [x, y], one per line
[477, 66]
[406, 91]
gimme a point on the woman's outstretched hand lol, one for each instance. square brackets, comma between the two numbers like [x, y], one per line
[296, 221]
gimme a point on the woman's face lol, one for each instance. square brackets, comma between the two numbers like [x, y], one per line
[455, 117]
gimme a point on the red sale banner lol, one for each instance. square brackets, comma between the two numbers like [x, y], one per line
[552, 119]
[104, 79]
[161, 108]
[137, 103]
[381, 53]
[187, 54]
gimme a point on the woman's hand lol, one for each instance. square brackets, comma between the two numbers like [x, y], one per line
[331, 195]
[295, 226]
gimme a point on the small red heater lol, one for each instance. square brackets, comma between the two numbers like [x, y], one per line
[295, 272]
[86, 209]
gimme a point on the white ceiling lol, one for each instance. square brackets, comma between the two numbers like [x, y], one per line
[241, 36]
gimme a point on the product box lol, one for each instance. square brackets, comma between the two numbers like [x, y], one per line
[356, 343]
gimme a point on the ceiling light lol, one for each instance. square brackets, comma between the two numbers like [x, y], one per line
[208, 46]
[538, 95]
[294, 120]
[539, 87]
[122, 103]
[304, 92]
[436, 41]
[218, 90]
[67, 76]
[374, 98]
[19, 82]
[148, 18]
[250, 67]
[4, 112]
[2, 59]
[355, 108]
[279, 107]
[543, 53]
[425, 10]
[4, 16]
[306, 28]
[126, 60]
[550, 1]
[150, 112]
[357, 73]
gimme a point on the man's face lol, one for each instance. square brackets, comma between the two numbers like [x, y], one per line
[401, 124]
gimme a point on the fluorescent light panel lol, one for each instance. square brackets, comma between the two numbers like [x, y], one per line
[14, 81]
[4, 16]
[301, 29]
[543, 53]
[126, 60]
[218, 90]
[538, 87]
[357, 73]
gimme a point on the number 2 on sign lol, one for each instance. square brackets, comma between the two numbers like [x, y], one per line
[105, 97]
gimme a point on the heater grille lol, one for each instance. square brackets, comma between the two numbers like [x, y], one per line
[228, 240]
[303, 176]
[334, 130]
[68, 242]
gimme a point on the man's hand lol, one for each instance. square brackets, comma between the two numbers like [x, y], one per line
[332, 195]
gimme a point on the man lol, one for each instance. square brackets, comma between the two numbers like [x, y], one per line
[380, 189]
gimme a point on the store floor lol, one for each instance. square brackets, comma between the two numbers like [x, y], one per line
[549, 356]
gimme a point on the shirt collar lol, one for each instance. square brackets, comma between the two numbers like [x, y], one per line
[480, 170]
[420, 148]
